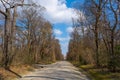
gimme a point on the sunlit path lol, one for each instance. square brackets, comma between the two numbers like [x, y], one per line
[58, 71]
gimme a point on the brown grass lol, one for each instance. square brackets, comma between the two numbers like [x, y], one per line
[20, 70]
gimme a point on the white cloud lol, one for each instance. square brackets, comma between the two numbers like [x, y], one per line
[63, 38]
[57, 11]
[57, 31]
[70, 29]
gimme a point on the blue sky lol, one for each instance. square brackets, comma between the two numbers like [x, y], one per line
[60, 14]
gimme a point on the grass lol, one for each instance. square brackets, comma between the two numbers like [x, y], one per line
[98, 73]
[20, 70]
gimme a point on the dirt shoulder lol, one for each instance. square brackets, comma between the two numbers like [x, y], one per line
[15, 72]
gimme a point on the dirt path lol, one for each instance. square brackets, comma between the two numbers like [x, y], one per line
[58, 71]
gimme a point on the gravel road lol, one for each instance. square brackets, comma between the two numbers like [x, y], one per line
[62, 70]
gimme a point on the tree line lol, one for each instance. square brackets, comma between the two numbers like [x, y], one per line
[26, 37]
[96, 37]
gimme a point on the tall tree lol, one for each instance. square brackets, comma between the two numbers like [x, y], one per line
[10, 23]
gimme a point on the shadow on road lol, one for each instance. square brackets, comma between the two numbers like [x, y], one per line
[14, 73]
[43, 77]
[57, 71]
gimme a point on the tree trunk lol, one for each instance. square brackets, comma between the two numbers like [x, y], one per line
[112, 54]
[96, 42]
[6, 40]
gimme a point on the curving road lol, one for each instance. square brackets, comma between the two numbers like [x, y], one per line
[58, 71]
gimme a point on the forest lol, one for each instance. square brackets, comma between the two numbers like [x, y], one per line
[26, 37]
[96, 38]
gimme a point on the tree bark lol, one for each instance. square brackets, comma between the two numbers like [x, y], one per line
[6, 39]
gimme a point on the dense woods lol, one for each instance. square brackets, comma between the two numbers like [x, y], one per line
[25, 36]
[96, 38]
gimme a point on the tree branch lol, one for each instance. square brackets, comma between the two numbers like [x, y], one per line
[115, 15]
[3, 13]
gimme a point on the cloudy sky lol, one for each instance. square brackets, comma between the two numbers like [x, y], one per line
[60, 14]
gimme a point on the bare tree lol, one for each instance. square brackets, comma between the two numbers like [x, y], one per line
[10, 24]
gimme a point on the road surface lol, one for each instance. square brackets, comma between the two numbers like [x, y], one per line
[58, 71]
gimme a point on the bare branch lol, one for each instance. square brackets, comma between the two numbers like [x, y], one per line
[3, 3]
[115, 15]
[3, 13]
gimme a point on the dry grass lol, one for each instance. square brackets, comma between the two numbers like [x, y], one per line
[20, 70]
